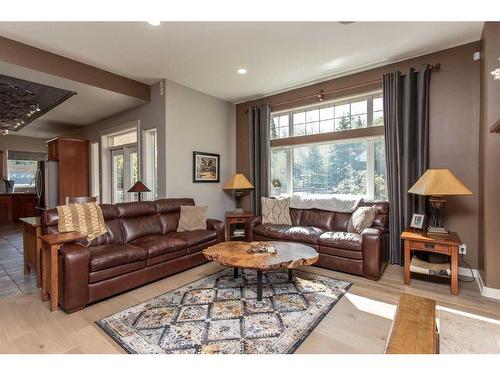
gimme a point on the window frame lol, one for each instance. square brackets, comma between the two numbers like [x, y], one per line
[292, 139]
[370, 134]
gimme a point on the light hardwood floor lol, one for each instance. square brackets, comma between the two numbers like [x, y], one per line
[359, 322]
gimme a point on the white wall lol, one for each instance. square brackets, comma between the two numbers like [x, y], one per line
[199, 122]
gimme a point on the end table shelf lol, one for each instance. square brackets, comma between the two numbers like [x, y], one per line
[234, 219]
[443, 244]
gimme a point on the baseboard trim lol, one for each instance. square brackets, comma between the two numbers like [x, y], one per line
[485, 291]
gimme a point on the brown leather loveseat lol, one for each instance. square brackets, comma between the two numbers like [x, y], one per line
[142, 245]
[362, 254]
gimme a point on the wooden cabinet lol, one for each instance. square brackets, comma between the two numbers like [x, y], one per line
[73, 158]
[52, 147]
[16, 205]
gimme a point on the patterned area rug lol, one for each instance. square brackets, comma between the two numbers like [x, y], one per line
[219, 314]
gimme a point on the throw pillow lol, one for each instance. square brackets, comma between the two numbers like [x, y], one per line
[361, 219]
[192, 218]
[276, 211]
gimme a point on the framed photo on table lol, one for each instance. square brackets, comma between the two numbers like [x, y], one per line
[206, 167]
[417, 221]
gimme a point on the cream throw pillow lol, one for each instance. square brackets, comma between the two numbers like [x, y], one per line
[192, 218]
[276, 211]
[361, 219]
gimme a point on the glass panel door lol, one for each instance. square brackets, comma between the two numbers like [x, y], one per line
[117, 176]
[133, 171]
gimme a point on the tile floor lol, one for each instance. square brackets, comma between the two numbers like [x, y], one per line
[13, 281]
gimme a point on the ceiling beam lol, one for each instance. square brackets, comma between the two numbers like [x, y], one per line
[34, 58]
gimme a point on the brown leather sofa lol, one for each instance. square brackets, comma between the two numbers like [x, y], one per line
[361, 254]
[142, 245]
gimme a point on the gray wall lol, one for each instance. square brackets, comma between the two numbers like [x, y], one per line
[20, 143]
[150, 116]
[199, 122]
[454, 127]
[489, 255]
[186, 120]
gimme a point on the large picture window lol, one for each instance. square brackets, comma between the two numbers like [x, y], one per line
[342, 163]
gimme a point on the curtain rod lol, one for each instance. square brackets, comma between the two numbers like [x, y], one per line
[433, 68]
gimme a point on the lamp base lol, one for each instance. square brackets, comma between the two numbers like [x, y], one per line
[437, 230]
[436, 224]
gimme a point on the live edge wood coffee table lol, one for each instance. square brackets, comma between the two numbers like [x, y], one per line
[235, 254]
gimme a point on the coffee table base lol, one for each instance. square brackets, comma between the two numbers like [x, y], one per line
[259, 281]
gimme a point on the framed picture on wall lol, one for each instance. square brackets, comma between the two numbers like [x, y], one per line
[205, 167]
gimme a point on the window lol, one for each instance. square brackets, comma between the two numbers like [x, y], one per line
[124, 138]
[124, 165]
[94, 170]
[334, 163]
[22, 167]
[355, 113]
[150, 147]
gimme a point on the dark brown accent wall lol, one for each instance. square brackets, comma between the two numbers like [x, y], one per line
[30, 57]
[454, 126]
[489, 226]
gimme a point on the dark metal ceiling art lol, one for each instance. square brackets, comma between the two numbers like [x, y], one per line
[21, 102]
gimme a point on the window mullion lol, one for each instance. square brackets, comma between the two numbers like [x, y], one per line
[370, 169]
[369, 109]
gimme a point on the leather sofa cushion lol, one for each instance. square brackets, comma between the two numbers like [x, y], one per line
[194, 237]
[317, 218]
[274, 231]
[137, 227]
[107, 256]
[157, 245]
[342, 240]
[108, 273]
[342, 253]
[303, 234]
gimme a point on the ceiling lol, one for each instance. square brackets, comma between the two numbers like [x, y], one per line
[89, 105]
[206, 55]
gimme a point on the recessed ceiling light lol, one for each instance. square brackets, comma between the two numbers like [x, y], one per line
[154, 23]
[242, 71]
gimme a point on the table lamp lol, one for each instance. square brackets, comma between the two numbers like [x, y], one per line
[138, 188]
[437, 183]
[239, 183]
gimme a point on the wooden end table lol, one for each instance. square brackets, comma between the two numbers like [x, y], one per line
[235, 218]
[50, 266]
[32, 247]
[428, 242]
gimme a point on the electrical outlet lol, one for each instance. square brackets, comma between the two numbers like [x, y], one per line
[462, 249]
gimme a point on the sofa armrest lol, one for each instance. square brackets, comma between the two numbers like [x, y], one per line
[373, 248]
[249, 225]
[74, 260]
[218, 227]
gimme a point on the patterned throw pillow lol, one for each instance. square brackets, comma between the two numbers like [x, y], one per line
[361, 219]
[193, 218]
[276, 211]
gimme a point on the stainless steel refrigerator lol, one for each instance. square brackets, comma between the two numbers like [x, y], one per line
[47, 184]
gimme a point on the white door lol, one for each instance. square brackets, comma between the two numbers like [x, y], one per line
[124, 173]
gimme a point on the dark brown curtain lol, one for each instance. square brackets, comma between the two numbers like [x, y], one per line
[406, 124]
[259, 117]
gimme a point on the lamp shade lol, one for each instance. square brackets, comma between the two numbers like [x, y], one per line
[439, 182]
[138, 187]
[238, 182]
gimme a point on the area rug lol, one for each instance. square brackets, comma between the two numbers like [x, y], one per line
[219, 314]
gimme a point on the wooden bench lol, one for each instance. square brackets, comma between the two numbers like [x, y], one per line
[414, 329]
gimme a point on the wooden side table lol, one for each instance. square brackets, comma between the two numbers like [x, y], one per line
[442, 244]
[233, 218]
[32, 247]
[50, 266]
